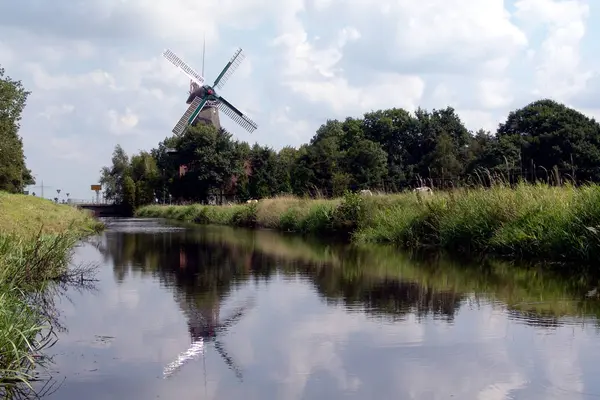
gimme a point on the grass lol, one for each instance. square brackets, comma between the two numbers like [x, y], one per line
[547, 223]
[531, 221]
[36, 240]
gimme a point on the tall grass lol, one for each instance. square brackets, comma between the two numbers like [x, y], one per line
[36, 242]
[551, 223]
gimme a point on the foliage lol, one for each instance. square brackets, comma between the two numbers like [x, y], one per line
[387, 150]
[14, 175]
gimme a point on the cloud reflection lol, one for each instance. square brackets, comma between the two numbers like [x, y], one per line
[321, 327]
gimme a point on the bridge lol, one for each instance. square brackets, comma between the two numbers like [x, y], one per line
[99, 208]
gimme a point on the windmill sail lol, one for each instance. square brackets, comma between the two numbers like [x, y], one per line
[190, 115]
[179, 63]
[229, 69]
[236, 115]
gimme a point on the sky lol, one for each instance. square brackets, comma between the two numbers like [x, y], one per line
[97, 76]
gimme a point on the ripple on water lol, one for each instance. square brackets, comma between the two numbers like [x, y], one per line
[135, 225]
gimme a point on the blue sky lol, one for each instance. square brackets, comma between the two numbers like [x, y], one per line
[98, 79]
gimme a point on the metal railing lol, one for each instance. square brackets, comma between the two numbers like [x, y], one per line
[91, 202]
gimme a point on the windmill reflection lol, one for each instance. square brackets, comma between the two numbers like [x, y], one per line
[204, 328]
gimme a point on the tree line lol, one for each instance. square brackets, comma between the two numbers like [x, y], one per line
[388, 150]
[14, 174]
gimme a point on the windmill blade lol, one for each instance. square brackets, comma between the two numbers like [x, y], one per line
[229, 69]
[189, 116]
[228, 360]
[236, 115]
[179, 63]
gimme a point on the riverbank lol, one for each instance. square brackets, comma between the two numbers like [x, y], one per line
[528, 222]
[36, 238]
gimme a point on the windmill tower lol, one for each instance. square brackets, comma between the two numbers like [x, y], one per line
[204, 102]
[210, 113]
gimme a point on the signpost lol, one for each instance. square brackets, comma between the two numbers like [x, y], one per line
[97, 189]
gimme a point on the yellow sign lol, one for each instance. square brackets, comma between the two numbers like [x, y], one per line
[96, 188]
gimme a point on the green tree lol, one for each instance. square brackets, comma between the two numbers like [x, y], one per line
[444, 160]
[14, 174]
[302, 172]
[443, 144]
[212, 160]
[551, 134]
[112, 178]
[366, 165]
[397, 132]
[128, 196]
[146, 176]
[389, 149]
[262, 182]
[285, 160]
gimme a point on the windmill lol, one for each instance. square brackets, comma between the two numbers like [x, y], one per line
[203, 100]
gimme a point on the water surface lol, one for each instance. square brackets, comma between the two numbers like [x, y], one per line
[223, 313]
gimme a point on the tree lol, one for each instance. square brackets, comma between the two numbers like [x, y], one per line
[396, 131]
[128, 197]
[366, 165]
[389, 149]
[263, 163]
[286, 158]
[14, 174]
[211, 158]
[146, 177]
[112, 178]
[550, 134]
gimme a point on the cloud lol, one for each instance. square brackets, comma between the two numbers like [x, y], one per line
[306, 61]
[53, 111]
[559, 72]
[122, 123]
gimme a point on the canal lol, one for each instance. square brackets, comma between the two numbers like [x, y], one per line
[181, 312]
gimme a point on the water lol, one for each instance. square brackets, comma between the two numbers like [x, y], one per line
[308, 320]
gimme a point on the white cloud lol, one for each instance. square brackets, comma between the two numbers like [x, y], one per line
[306, 61]
[6, 54]
[559, 72]
[86, 81]
[122, 123]
[477, 118]
[495, 93]
[68, 148]
[53, 111]
[342, 98]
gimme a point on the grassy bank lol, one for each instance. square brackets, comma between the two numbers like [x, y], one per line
[529, 221]
[36, 239]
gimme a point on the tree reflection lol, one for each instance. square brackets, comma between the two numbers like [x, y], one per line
[203, 265]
